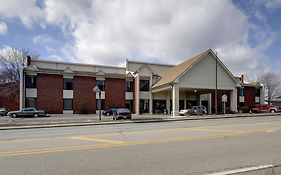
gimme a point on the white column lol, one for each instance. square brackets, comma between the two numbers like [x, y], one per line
[137, 94]
[22, 89]
[150, 96]
[150, 103]
[175, 100]
[233, 100]
[262, 95]
[210, 103]
[185, 98]
[168, 104]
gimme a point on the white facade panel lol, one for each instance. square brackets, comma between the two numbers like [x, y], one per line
[67, 93]
[78, 67]
[156, 68]
[241, 99]
[203, 76]
[160, 95]
[129, 96]
[67, 111]
[102, 95]
[144, 95]
[257, 99]
[31, 92]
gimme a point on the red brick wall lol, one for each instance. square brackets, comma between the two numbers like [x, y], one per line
[114, 93]
[84, 99]
[9, 96]
[249, 98]
[50, 93]
[220, 103]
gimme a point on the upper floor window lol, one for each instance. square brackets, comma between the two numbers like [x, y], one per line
[31, 81]
[68, 84]
[144, 85]
[101, 85]
[242, 92]
[129, 86]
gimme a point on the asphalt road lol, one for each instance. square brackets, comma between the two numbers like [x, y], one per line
[182, 147]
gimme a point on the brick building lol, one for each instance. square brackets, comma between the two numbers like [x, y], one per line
[60, 87]
[9, 95]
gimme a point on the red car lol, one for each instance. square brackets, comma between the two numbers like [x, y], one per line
[264, 108]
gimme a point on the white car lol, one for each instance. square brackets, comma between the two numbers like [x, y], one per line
[195, 110]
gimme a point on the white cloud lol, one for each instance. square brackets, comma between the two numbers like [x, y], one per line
[26, 10]
[273, 4]
[108, 32]
[168, 30]
[43, 39]
[3, 28]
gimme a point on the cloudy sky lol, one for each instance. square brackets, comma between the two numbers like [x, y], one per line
[246, 34]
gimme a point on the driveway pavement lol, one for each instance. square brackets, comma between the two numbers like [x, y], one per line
[55, 120]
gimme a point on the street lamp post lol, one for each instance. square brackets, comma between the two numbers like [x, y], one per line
[97, 90]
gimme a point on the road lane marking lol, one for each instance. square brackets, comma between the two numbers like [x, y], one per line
[243, 170]
[109, 145]
[97, 140]
[214, 130]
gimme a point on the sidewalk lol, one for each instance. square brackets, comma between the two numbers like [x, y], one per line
[60, 120]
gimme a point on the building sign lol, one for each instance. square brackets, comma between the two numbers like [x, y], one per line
[224, 98]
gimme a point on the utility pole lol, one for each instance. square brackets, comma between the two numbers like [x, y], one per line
[216, 90]
[98, 91]
[99, 105]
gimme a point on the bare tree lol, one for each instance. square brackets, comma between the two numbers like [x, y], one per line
[11, 62]
[272, 85]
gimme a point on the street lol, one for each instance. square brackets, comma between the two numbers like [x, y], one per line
[176, 147]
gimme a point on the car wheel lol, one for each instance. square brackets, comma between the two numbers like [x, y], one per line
[35, 115]
[107, 114]
[272, 111]
[14, 115]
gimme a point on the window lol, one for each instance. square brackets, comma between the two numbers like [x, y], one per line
[102, 104]
[67, 104]
[100, 84]
[30, 102]
[129, 105]
[258, 92]
[67, 84]
[241, 104]
[144, 106]
[144, 85]
[242, 92]
[129, 86]
[30, 81]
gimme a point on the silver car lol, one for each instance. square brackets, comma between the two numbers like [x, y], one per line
[27, 112]
[3, 111]
[194, 110]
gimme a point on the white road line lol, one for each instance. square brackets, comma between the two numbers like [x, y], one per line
[242, 170]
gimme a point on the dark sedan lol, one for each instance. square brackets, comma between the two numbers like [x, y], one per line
[27, 112]
[109, 112]
[122, 113]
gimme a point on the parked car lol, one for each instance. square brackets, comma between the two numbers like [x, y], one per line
[122, 113]
[109, 112]
[27, 112]
[195, 110]
[264, 108]
[3, 111]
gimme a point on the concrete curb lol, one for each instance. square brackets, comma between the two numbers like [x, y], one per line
[133, 121]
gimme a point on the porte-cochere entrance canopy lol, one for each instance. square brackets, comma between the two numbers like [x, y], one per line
[195, 80]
